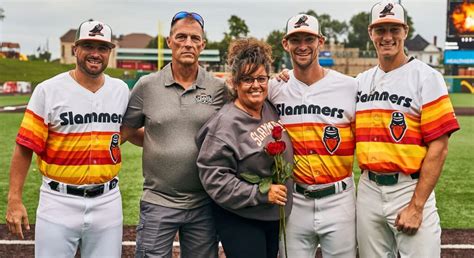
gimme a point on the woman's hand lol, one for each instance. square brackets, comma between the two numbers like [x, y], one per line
[283, 76]
[277, 194]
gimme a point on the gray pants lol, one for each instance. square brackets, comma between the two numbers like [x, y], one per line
[158, 227]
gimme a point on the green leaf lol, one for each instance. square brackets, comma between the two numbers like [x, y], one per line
[251, 178]
[264, 185]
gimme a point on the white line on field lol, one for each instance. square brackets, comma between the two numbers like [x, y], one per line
[176, 244]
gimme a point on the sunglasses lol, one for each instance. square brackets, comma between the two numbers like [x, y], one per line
[183, 14]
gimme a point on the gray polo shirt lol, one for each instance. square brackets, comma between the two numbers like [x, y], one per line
[172, 117]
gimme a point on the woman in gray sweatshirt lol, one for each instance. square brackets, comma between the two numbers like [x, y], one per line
[231, 143]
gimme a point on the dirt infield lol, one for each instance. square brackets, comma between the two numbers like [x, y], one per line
[456, 243]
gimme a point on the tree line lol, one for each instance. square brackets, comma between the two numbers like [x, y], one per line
[352, 35]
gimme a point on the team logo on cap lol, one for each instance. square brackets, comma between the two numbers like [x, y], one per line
[398, 126]
[387, 10]
[97, 30]
[331, 138]
[114, 148]
[301, 22]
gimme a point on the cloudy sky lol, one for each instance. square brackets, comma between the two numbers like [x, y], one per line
[34, 23]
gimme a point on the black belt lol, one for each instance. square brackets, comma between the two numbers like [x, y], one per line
[84, 192]
[388, 179]
[319, 193]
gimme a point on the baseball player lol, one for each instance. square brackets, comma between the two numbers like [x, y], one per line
[317, 107]
[403, 121]
[72, 123]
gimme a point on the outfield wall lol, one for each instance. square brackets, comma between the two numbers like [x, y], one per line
[460, 84]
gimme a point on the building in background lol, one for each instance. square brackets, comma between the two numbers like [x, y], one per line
[9, 50]
[132, 53]
[424, 51]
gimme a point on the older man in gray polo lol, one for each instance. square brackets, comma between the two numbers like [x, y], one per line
[172, 105]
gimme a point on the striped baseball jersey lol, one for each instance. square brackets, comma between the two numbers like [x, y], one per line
[74, 132]
[398, 113]
[319, 120]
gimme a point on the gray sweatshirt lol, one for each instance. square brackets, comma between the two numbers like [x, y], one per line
[232, 142]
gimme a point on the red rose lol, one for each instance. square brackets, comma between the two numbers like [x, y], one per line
[275, 148]
[276, 132]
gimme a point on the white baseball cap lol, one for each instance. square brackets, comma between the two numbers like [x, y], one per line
[94, 30]
[388, 12]
[303, 23]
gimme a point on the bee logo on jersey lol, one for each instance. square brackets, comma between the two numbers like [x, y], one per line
[114, 147]
[398, 126]
[331, 138]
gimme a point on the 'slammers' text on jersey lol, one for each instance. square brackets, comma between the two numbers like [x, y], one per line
[68, 118]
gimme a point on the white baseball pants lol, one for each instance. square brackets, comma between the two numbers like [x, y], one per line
[329, 222]
[377, 209]
[64, 222]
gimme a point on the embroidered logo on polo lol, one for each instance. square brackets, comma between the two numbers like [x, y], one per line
[398, 126]
[114, 147]
[387, 10]
[301, 22]
[331, 138]
[97, 30]
[204, 98]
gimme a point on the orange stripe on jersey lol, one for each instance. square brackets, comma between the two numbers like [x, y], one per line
[79, 142]
[384, 158]
[70, 155]
[438, 119]
[380, 137]
[436, 102]
[321, 158]
[33, 132]
[79, 175]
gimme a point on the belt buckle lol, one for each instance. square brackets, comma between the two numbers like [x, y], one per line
[386, 180]
[93, 192]
[307, 193]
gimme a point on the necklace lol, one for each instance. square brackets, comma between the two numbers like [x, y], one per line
[372, 81]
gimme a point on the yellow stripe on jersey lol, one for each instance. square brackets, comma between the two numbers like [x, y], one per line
[80, 174]
[315, 164]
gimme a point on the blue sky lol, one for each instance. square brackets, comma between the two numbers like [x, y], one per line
[34, 23]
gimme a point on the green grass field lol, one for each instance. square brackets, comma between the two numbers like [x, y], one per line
[454, 191]
[38, 71]
[462, 99]
[13, 100]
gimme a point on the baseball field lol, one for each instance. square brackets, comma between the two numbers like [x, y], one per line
[455, 194]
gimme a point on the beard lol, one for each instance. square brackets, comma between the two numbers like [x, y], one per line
[82, 63]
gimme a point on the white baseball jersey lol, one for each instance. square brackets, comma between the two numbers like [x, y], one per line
[398, 113]
[318, 118]
[75, 132]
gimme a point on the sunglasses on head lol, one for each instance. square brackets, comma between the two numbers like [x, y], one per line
[183, 14]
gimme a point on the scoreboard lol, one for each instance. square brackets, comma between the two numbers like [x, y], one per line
[460, 25]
